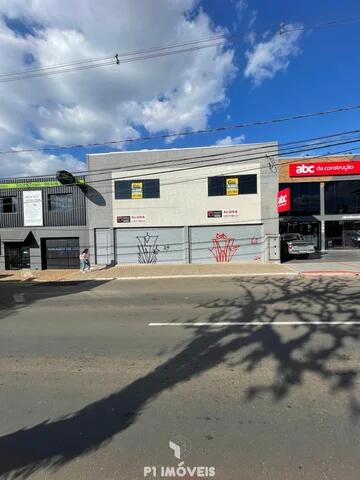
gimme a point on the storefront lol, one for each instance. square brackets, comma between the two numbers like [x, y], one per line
[324, 200]
[42, 224]
[162, 211]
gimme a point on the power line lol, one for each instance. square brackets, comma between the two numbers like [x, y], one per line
[115, 59]
[232, 173]
[186, 133]
[234, 158]
[147, 53]
[332, 23]
[122, 55]
[230, 162]
[265, 149]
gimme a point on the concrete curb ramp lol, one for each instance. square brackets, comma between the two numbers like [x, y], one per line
[330, 273]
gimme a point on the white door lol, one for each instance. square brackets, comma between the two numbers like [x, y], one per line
[103, 246]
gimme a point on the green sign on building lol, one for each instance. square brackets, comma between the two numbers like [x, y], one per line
[80, 182]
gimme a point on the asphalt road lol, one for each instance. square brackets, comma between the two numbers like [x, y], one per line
[89, 390]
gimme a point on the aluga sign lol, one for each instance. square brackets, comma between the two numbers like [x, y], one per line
[323, 169]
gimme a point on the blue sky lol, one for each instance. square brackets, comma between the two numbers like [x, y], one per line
[256, 76]
[325, 74]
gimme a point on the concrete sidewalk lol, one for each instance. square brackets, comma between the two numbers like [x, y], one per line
[151, 271]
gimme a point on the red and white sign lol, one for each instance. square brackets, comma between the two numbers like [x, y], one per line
[323, 169]
[230, 212]
[284, 200]
[131, 219]
[137, 218]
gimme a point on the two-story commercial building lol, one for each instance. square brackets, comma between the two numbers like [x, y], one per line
[192, 205]
[42, 223]
[324, 200]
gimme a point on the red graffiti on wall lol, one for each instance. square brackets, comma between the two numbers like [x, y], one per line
[223, 248]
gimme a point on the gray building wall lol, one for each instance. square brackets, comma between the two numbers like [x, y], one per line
[56, 224]
[75, 216]
[184, 200]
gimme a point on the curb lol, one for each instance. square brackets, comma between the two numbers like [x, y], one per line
[200, 275]
[331, 273]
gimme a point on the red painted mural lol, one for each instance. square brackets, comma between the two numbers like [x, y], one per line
[223, 248]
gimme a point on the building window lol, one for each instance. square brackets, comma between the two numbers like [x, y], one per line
[60, 202]
[137, 189]
[8, 204]
[342, 197]
[305, 198]
[232, 185]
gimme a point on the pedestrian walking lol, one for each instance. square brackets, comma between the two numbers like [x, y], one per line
[85, 261]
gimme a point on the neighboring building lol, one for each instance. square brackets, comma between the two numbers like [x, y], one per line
[42, 223]
[192, 205]
[325, 200]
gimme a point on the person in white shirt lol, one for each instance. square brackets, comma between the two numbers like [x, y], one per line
[85, 261]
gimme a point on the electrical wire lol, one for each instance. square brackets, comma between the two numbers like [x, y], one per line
[186, 133]
[115, 60]
[309, 146]
[232, 173]
[223, 223]
[147, 53]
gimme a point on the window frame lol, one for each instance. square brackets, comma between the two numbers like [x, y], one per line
[68, 195]
[338, 199]
[241, 181]
[14, 204]
[146, 189]
[307, 211]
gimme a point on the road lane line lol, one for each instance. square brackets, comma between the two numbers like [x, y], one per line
[229, 324]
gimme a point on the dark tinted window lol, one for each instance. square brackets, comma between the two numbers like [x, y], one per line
[342, 197]
[217, 185]
[305, 198]
[124, 188]
[60, 201]
[8, 204]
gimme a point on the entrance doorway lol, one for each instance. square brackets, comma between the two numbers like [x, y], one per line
[17, 256]
[342, 234]
[60, 253]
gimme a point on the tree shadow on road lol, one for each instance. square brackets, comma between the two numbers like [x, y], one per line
[54, 443]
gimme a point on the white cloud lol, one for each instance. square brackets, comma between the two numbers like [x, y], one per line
[35, 163]
[231, 140]
[116, 102]
[240, 7]
[253, 17]
[269, 57]
[250, 37]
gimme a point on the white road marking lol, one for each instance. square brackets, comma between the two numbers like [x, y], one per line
[19, 297]
[229, 324]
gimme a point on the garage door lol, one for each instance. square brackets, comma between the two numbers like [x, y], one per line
[61, 253]
[224, 244]
[150, 245]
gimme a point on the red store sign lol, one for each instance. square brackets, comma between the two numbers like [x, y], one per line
[323, 169]
[283, 200]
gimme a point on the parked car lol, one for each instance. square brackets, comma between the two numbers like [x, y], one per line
[294, 245]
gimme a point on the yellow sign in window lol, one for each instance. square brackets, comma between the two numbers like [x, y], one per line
[136, 190]
[232, 186]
